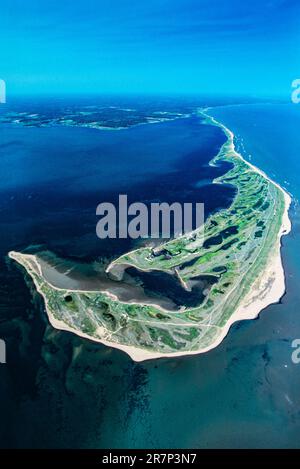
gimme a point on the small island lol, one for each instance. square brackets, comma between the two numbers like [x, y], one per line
[237, 269]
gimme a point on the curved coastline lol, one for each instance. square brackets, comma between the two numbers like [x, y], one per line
[249, 308]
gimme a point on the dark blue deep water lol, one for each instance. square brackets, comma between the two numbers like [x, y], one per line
[58, 390]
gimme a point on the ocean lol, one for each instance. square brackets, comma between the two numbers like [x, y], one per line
[58, 390]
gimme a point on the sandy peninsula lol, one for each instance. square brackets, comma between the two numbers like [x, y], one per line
[267, 288]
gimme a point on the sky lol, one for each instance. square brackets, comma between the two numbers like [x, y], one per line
[218, 47]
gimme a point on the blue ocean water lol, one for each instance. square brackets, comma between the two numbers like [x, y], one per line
[52, 179]
[63, 391]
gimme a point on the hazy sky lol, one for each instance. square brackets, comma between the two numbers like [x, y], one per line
[154, 46]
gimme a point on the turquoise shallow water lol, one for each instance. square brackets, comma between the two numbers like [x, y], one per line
[66, 392]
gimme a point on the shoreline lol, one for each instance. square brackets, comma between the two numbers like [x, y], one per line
[249, 308]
